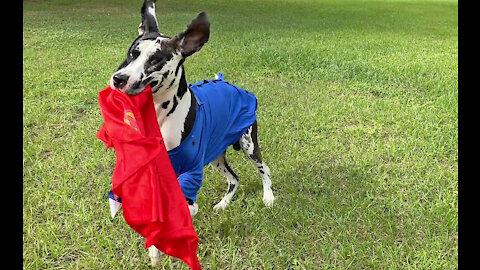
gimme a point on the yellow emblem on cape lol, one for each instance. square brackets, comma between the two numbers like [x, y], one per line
[129, 119]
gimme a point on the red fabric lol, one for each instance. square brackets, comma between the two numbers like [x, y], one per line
[152, 200]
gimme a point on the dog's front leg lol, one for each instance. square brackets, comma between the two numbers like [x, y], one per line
[155, 255]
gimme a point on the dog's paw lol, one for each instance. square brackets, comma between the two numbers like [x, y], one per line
[268, 198]
[155, 255]
[193, 209]
[221, 205]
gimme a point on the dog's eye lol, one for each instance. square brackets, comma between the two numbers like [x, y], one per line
[134, 54]
[153, 62]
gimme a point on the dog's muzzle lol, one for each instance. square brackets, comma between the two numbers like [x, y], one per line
[119, 80]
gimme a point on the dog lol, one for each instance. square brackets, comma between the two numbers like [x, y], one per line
[157, 60]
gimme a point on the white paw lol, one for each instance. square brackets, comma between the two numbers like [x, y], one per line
[155, 255]
[193, 209]
[268, 198]
[221, 205]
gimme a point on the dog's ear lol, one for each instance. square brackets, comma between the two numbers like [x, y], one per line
[149, 19]
[194, 37]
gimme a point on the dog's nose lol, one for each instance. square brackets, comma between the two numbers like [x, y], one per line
[119, 80]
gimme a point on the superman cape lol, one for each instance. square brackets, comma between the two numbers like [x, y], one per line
[152, 200]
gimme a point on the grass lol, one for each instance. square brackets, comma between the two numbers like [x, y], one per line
[358, 123]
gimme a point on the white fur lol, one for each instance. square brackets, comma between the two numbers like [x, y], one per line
[193, 209]
[155, 255]
[171, 126]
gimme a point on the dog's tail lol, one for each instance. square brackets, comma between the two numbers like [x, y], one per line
[219, 76]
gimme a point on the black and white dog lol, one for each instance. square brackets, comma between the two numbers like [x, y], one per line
[157, 60]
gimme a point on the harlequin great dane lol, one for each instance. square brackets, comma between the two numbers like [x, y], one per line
[198, 121]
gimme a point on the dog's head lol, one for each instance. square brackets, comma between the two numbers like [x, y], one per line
[155, 59]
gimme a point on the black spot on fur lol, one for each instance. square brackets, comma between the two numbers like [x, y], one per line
[189, 201]
[262, 172]
[231, 187]
[153, 84]
[157, 60]
[171, 83]
[231, 171]
[180, 63]
[190, 120]
[147, 80]
[182, 86]
[165, 104]
[257, 155]
[174, 106]
[236, 146]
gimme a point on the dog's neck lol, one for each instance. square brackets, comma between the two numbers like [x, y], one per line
[175, 106]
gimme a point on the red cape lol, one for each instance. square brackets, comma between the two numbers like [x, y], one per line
[152, 200]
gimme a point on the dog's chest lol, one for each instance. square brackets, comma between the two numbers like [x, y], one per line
[173, 125]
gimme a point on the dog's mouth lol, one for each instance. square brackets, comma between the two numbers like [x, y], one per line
[133, 92]
[128, 88]
[130, 91]
[135, 89]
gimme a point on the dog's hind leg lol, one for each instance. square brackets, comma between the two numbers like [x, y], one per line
[249, 145]
[222, 166]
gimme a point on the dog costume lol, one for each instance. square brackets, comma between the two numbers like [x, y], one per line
[224, 113]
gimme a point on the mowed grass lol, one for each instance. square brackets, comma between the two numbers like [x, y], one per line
[358, 123]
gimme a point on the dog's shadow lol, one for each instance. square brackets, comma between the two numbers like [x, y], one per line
[302, 196]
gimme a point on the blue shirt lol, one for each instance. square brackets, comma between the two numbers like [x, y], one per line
[224, 113]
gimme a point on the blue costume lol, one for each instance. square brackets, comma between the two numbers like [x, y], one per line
[224, 113]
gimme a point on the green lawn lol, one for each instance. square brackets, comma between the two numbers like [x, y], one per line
[358, 123]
